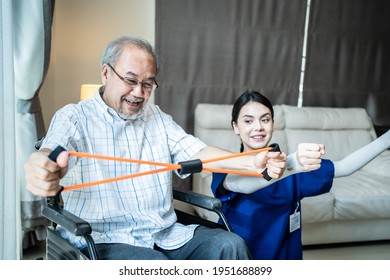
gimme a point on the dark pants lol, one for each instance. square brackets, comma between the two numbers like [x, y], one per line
[207, 244]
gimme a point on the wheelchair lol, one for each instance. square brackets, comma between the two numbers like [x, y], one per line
[58, 248]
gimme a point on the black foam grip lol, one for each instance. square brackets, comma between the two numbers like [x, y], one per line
[55, 200]
[275, 148]
[191, 166]
[54, 154]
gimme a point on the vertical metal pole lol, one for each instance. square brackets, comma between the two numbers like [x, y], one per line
[303, 64]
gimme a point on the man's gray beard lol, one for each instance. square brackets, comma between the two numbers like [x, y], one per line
[128, 117]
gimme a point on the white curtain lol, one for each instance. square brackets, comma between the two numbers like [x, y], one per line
[25, 55]
[32, 40]
[10, 247]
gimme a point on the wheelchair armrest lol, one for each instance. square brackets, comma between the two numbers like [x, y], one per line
[197, 199]
[204, 201]
[67, 220]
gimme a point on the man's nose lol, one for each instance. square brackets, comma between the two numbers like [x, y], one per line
[138, 90]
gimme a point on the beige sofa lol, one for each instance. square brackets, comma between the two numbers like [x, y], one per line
[358, 206]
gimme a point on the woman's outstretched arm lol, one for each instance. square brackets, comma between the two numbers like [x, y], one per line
[294, 164]
[306, 158]
[361, 157]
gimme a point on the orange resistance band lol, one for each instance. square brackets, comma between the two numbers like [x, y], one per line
[167, 167]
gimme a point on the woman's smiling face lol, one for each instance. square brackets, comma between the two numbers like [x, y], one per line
[254, 125]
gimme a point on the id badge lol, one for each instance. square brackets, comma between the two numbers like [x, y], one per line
[295, 220]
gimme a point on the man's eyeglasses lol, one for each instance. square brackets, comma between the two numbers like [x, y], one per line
[133, 83]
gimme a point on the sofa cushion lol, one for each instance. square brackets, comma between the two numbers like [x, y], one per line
[361, 196]
[357, 196]
[326, 118]
[212, 123]
[341, 130]
[338, 143]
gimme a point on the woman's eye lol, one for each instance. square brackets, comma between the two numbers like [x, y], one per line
[265, 120]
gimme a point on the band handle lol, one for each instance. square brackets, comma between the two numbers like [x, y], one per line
[190, 166]
[275, 148]
[55, 200]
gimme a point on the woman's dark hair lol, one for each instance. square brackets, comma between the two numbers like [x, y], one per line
[246, 97]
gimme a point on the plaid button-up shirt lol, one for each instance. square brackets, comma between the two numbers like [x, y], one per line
[136, 211]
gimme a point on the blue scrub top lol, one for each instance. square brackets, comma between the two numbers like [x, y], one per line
[262, 218]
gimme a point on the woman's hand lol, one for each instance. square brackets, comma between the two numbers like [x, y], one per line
[275, 162]
[309, 155]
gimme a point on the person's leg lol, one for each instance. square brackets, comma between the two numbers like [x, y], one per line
[211, 244]
[119, 251]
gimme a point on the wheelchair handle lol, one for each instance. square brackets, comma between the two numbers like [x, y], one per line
[275, 148]
[55, 200]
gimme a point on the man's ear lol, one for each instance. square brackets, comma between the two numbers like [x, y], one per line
[104, 73]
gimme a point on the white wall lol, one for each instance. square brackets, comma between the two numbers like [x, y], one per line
[81, 31]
